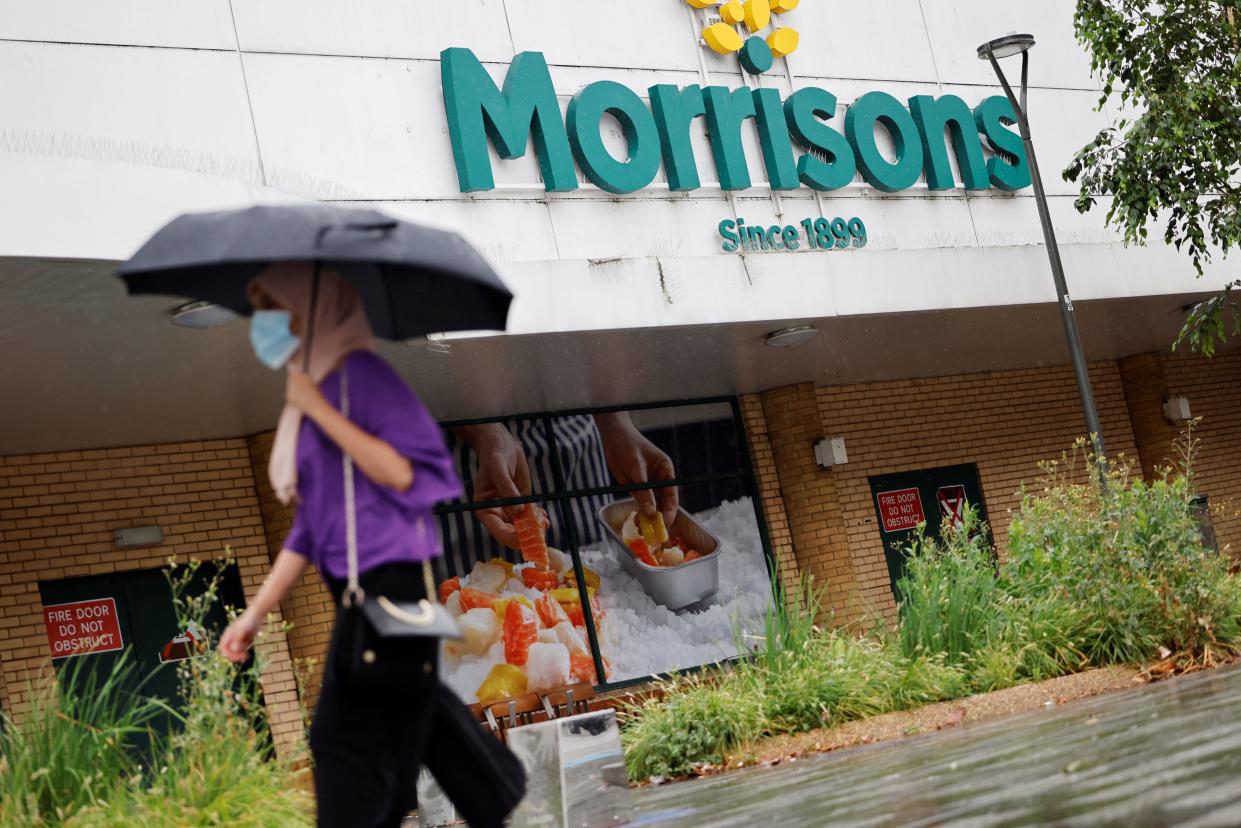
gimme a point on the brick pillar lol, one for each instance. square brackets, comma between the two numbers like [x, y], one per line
[771, 500]
[308, 607]
[1146, 388]
[811, 501]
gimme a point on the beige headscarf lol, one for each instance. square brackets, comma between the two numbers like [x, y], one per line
[340, 327]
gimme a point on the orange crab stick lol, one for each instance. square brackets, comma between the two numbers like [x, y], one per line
[531, 534]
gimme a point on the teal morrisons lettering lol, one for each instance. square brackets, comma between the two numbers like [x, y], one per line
[798, 136]
[811, 234]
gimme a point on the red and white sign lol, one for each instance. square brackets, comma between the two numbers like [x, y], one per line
[952, 504]
[83, 627]
[189, 644]
[900, 510]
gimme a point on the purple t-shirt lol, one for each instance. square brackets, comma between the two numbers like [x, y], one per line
[392, 526]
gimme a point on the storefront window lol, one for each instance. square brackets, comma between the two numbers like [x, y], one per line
[635, 597]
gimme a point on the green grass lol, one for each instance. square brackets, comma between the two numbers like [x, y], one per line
[71, 748]
[71, 760]
[1095, 575]
[801, 677]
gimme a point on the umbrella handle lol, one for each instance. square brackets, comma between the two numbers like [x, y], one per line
[310, 321]
[384, 227]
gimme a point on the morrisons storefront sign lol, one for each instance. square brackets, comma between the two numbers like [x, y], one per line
[798, 136]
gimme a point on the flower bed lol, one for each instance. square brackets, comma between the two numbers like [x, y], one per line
[1101, 570]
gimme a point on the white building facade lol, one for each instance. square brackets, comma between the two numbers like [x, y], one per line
[116, 116]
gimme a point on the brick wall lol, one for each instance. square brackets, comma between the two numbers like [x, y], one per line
[1146, 387]
[57, 514]
[4, 696]
[1213, 387]
[57, 511]
[811, 500]
[308, 607]
[767, 481]
[1005, 422]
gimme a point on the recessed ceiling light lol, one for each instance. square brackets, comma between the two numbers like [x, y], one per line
[201, 315]
[792, 337]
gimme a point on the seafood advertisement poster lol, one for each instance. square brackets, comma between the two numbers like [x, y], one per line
[675, 573]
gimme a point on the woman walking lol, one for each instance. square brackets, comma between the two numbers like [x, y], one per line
[367, 739]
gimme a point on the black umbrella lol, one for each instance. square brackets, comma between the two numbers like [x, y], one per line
[413, 280]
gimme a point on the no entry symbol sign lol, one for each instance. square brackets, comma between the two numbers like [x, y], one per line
[952, 504]
[83, 627]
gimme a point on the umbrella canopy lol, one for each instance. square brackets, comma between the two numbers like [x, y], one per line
[413, 280]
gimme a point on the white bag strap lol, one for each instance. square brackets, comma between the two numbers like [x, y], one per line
[353, 590]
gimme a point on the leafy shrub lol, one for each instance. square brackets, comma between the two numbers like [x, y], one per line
[71, 761]
[1128, 560]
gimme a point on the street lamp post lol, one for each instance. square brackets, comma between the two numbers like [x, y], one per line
[993, 51]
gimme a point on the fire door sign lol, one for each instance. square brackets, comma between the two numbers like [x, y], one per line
[900, 510]
[83, 627]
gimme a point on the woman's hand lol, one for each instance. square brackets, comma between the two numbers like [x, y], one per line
[302, 392]
[236, 641]
[503, 472]
[632, 458]
[285, 572]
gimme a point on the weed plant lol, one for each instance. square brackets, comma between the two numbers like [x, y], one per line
[71, 760]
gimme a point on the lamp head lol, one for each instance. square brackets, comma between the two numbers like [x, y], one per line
[1007, 46]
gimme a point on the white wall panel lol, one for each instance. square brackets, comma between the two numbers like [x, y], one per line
[168, 108]
[503, 230]
[902, 281]
[1110, 271]
[649, 34]
[647, 227]
[1004, 221]
[138, 134]
[957, 29]
[85, 208]
[199, 24]
[351, 128]
[373, 28]
[615, 294]
[910, 222]
[873, 41]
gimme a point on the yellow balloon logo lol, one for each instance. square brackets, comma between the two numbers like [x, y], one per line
[755, 52]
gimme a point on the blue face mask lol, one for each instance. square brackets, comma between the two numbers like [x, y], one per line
[273, 342]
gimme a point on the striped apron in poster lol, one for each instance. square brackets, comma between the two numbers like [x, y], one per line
[464, 539]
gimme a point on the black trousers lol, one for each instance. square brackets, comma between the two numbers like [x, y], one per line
[368, 744]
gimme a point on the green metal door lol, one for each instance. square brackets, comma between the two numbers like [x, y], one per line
[78, 616]
[904, 500]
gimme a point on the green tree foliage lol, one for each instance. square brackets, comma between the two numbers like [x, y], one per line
[1174, 155]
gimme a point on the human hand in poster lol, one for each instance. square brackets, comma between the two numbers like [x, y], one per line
[632, 458]
[503, 472]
